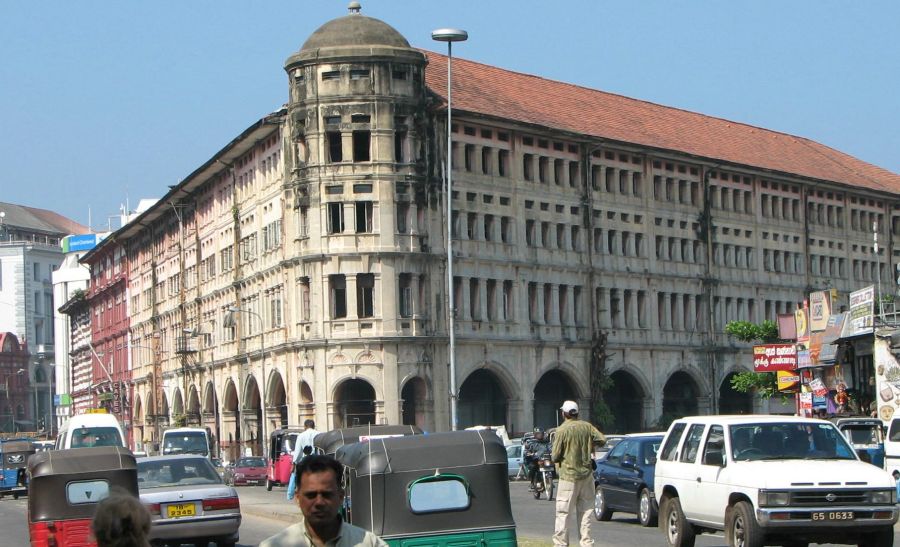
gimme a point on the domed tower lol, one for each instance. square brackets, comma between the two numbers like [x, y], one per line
[357, 179]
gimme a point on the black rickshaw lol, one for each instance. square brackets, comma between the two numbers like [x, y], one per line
[65, 487]
[329, 441]
[14, 455]
[440, 489]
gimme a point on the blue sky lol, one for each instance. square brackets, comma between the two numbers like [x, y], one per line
[106, 101]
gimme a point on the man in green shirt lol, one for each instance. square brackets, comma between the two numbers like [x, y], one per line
[573, 447]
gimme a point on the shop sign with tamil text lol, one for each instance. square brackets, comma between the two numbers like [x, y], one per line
[772, 357]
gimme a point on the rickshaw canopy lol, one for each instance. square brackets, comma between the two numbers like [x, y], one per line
[433, 484]
[14, 454]
[329, 441]
[68, 484]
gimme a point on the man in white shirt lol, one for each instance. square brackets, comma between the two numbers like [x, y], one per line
[303, 440]
[319, 496]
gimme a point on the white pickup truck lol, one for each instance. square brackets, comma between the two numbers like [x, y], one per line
[770, 480]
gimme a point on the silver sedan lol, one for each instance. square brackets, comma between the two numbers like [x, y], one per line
[188, 501]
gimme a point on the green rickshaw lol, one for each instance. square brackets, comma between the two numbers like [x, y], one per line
[439, 490]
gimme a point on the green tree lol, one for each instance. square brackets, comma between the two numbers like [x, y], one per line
[763, 384]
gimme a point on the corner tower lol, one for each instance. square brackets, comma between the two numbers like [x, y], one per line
[358, 182]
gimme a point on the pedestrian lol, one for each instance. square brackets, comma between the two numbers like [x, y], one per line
[320, 496]
[121, 520]
[304, 439]
[572, 452]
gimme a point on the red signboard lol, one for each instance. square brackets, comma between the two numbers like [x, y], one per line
[772, 357]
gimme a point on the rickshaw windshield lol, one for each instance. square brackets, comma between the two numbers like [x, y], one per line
[87, 437]
[863, 433]
[160, 474]
[444, 492]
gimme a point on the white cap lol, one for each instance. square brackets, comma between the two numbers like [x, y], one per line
[569, 407]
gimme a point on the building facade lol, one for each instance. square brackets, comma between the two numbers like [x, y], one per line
[16, 405]
[30, 251]
[301, 272]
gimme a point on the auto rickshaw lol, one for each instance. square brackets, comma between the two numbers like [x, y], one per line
[281, 447]
[328, 442]
[865, 435]
[65, 487]
[14, 455]
[443, 489]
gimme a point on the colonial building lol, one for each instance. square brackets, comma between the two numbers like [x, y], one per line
[30, 251]
[16, 408]
[301, 272]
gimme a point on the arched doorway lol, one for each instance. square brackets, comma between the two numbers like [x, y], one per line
[137, 419]
[551, 390]
[732, 401]
[252, 416]
[625, 400]
[164, 409]
[354, 403]
[193, 410]
[414, 393]
[177, 409]
[679, 397]
[210, 412]
[232, 433]
[277, 408]
[482, 400]
[305, 409]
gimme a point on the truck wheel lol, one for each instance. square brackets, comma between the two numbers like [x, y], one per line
[741, 528]
[601, 510]
[881, 538]
[679, 532]
[646, 513]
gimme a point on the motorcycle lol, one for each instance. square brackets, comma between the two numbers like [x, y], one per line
[543, 478]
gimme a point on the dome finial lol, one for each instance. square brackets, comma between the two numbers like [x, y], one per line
[354, 7]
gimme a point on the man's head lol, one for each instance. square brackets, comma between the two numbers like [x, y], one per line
[569, 410]
[538, 434]
[319, 493]
[309, 424]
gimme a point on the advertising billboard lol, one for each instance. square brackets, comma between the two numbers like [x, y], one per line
[773, 357]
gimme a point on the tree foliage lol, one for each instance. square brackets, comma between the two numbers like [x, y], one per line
[764, 384]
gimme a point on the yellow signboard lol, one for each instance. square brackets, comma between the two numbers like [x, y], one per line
[95, 411]
[787, 380]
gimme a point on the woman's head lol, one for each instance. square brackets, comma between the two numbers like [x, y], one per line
[121, 520]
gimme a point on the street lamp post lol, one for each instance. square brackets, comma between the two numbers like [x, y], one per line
[194, 333]
[264, 439]
[450, 35]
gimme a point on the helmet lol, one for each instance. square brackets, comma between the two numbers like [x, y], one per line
[537, 430]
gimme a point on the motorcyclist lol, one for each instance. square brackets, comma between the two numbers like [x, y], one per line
[536, 448]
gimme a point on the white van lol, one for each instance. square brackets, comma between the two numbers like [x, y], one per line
[87, 430]
[186, 440]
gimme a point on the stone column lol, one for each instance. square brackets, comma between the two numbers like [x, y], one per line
[539, 300]
[351, 296]
[554, 304]
[679, 313]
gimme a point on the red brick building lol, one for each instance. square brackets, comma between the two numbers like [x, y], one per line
[16, 413]
[106, 297]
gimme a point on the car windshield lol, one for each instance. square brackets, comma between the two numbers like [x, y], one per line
[87, 437]
[176, 472]
[188, 442]
[251, 462]
[788, 441]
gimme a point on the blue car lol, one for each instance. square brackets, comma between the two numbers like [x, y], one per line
[624, 479]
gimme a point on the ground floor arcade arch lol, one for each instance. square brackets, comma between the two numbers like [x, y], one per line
[625, 399]
[354, 403]
[482, 400]
[551, 390]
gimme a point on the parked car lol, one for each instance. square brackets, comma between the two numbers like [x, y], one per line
[188, 501]
[770, 480]
[247, 471]
[624, 479]
[611, 441]
[513, 460]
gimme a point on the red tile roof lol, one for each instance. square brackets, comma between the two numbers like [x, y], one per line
[500, 93]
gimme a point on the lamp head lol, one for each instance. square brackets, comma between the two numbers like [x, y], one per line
[449, 35]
